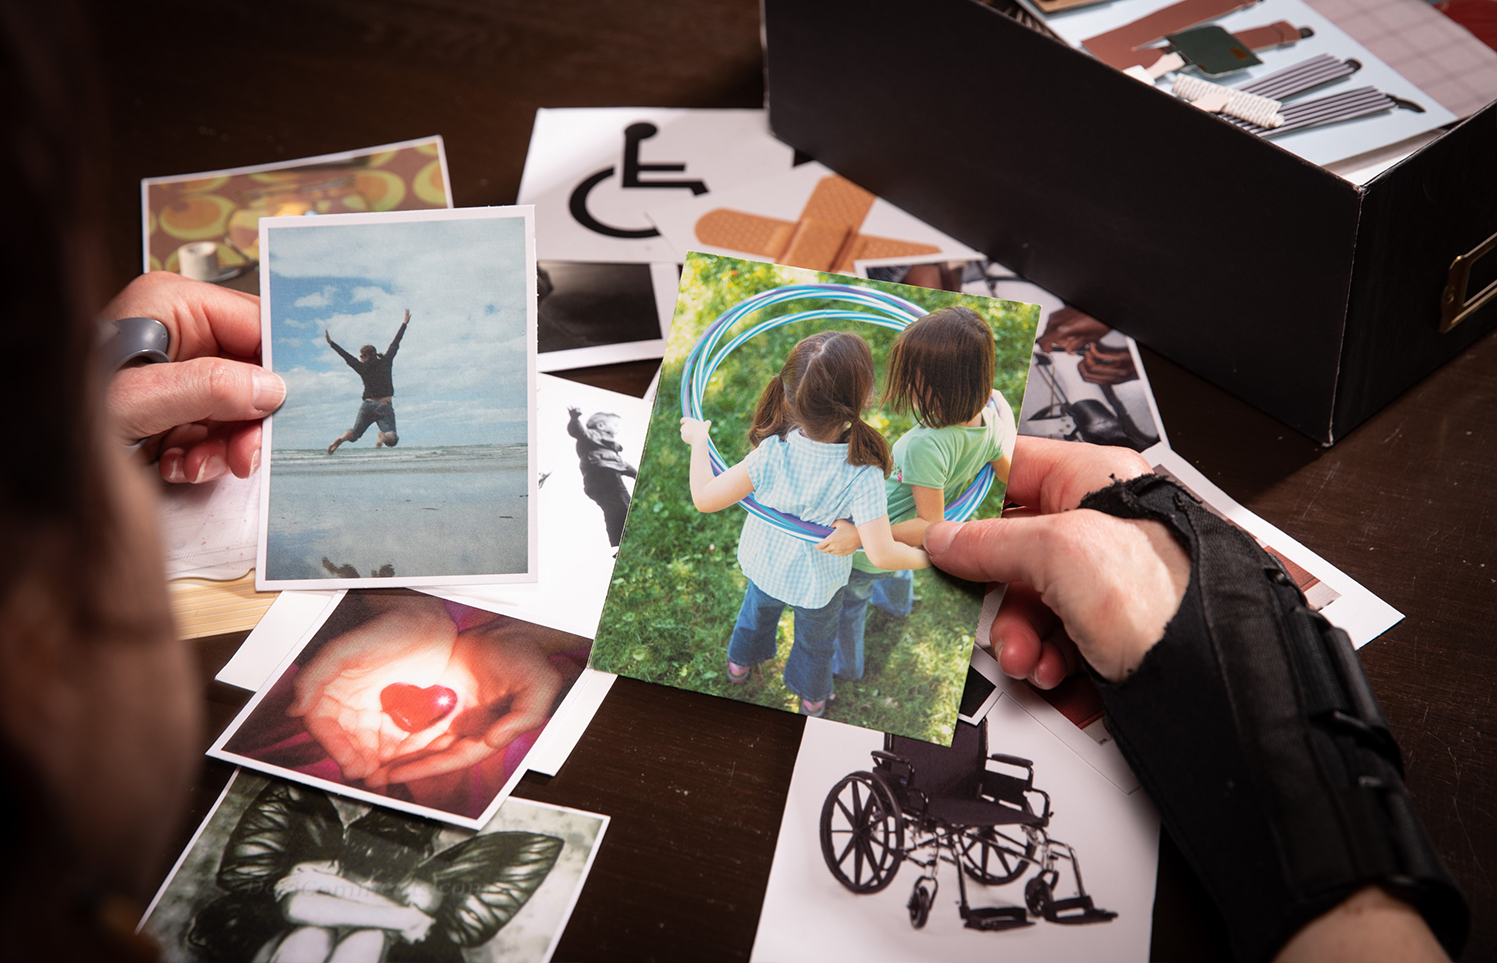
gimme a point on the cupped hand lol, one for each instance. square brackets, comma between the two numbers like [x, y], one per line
[512, 685]
[1081, 583]
[337, 693]
[201, 412]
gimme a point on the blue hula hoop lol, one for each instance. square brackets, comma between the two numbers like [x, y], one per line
[877, 307]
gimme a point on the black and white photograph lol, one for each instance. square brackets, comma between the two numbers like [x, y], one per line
[279, 871]
[1086, 380]
[588, 444]
[1005, 845]
[592, 312]
[403, 454]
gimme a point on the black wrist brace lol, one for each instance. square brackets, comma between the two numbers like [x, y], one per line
[1255, 731]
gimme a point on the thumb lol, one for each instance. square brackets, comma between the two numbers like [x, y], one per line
[152, 398]
[992, 549]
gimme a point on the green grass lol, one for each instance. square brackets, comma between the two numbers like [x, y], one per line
[677, 586]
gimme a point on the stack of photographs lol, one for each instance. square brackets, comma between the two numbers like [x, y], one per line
[472, 549]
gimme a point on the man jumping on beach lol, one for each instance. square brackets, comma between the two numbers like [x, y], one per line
[379, 390]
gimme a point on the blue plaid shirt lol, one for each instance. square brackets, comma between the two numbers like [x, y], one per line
[813, 481]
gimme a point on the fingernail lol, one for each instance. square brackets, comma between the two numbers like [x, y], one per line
[254, 462]
[171, 465]
[270, 390]
[939, 536]
[213, 466]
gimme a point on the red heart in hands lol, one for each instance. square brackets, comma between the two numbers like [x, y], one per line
[414, 708]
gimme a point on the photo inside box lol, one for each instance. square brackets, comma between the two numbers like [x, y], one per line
[678, 583]
[412, 698]
[584, 305]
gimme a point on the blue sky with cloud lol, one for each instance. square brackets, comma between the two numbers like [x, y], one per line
[460, 373]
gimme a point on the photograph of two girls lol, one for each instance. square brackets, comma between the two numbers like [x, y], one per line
[848, 436]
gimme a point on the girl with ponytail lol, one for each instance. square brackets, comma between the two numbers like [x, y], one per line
[941, 370]
[813, 457]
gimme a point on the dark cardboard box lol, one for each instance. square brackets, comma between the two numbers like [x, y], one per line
[1312, 298]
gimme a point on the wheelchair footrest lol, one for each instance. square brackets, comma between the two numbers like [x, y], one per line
[995, 917]
[1077, 910]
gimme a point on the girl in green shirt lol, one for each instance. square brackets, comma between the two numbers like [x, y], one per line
[941, 370]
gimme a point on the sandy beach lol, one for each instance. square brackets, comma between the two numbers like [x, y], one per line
[435, 511]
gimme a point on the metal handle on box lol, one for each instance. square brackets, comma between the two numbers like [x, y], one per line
[1455, 307]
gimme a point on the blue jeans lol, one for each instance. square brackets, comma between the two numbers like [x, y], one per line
[893, 592]
[372, 412]
[808, 670]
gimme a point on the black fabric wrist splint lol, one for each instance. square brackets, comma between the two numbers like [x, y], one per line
[1255, 731]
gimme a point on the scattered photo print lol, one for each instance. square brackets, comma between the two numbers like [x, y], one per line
[1005, 845]
[682, 602]
[593, 313]
[281, 871]
[409, 701]
[222, 209]
[587, 456]
[404, 452]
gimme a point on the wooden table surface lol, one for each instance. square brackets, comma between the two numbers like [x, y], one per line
[696, 785]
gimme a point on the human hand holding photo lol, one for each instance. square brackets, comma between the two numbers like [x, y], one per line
[201, 412]
[1081, 584]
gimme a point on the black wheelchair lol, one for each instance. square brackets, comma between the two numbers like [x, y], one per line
[929, 804]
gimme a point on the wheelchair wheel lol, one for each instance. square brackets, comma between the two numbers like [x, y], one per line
[862, 835]
[989, 856]
[919, 905]
[1037, 897]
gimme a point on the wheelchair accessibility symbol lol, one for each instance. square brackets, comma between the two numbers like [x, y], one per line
[633, 135]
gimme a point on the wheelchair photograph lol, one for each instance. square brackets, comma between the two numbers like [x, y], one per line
[927, 805]
[1006, 842]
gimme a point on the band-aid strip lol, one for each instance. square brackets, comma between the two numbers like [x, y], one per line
[837, 200]
[740, 231]
[824, 238]
[865, 246]
[815, 244]
[808, 243]
[1120, 47]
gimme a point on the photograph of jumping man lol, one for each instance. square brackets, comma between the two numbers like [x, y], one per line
[378, 406]
[446, 499]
